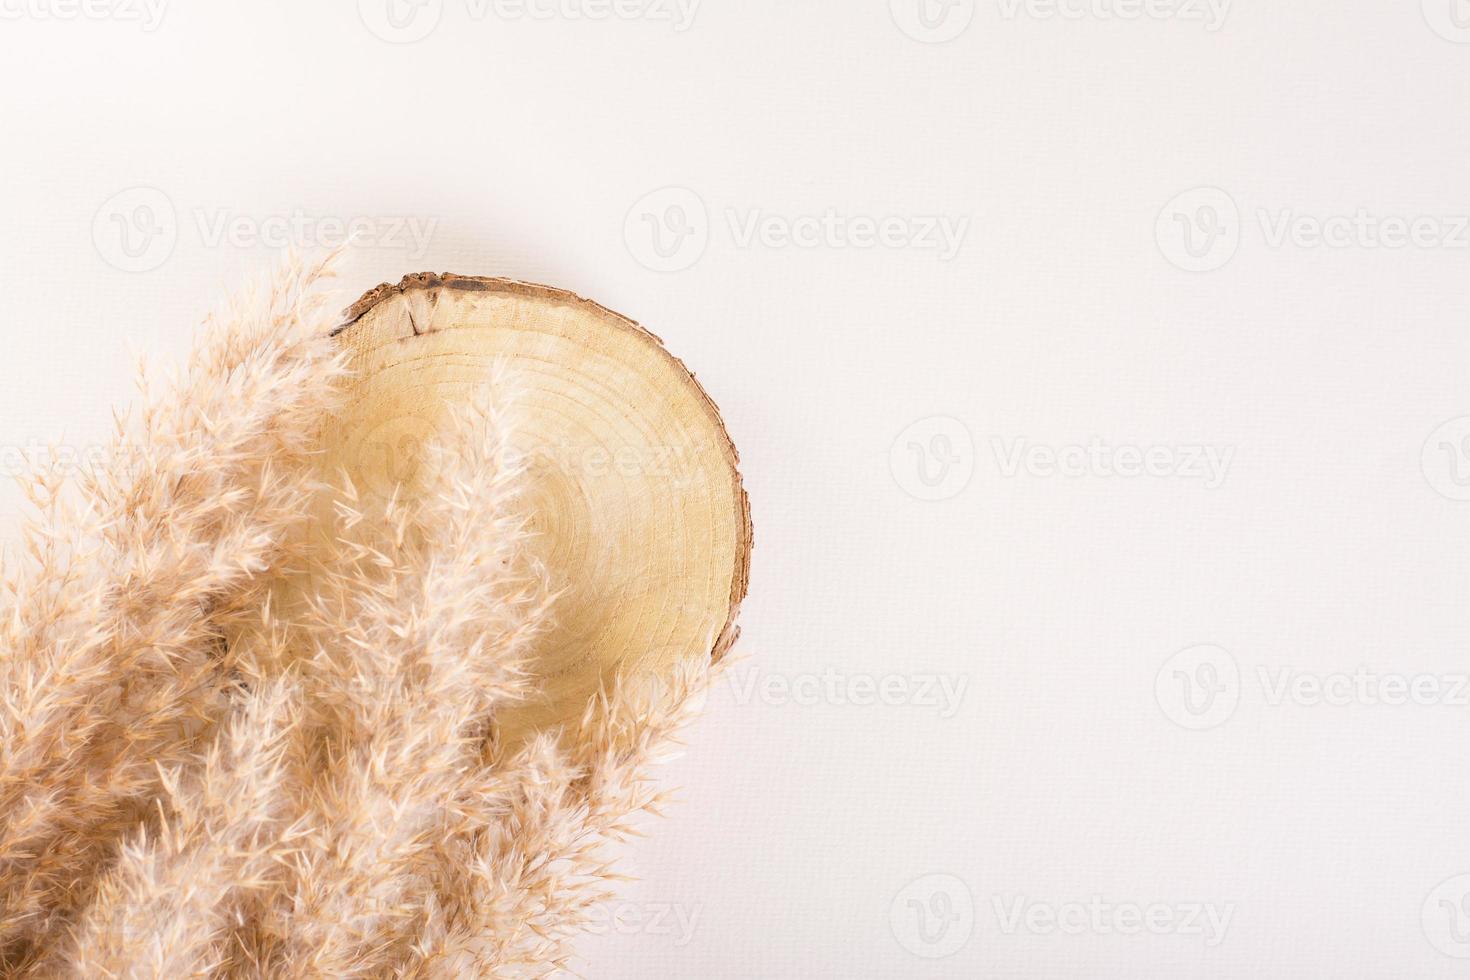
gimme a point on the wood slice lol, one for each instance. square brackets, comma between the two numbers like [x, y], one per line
[634, 489]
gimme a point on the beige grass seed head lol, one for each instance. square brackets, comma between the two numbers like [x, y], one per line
[207, 770]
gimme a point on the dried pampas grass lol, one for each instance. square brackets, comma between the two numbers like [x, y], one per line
[111, 636]
[247, 718]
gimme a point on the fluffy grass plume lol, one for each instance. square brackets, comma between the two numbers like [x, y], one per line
[109, 639]
[248, 719]
[422, 625]
[170, 903]
[529, 849]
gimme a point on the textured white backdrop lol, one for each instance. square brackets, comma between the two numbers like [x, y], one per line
[1096, 368]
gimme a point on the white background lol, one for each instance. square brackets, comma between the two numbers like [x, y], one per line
[826, 838]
